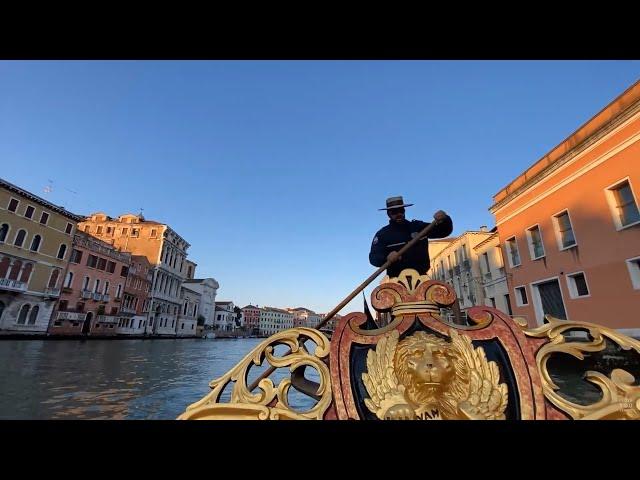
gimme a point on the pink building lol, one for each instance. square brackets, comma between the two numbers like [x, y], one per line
[93, 289]
[135, 302]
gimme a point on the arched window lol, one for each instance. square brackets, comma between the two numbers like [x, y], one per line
[4, 266]
[15, 270]
[33, 316]
[68, 280]
[4, 229]
[61, 251]
[35, 243]
[22, 318]
[26, 273]
[20, 238]
[53, 279]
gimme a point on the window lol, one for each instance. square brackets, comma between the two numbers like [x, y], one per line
[493, 302]
[124, 231]
[633, 264]
[99, 230]
[106, 288]
[154, 233]
[135, 232]
[623, 205]
[513, 253]
[44, 218]
[33, 316]
[124, 271]
[87, 228]
[96, 285]
[521, 296]
[485, 259]
[119, 290]
[53, 279]
[109, 230]
[536, 250]
[76, 256]
[577, 285]
[13, 205]
[61, 251]
[85, 283]
[111, 266]
[92, 261]
[69, 229]
[564, 230]
[102, 263]
[4, 229]
[28, 213]
[68, 280]
[20, 236]
[35, 243]
[507, 300]
[22, 317]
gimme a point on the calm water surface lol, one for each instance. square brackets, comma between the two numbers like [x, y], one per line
[131, 379]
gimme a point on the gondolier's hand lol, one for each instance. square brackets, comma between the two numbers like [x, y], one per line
[439, 215]
[393, 257]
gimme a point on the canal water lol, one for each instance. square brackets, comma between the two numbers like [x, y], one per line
[132, 379]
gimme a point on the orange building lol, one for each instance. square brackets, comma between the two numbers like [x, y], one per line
[569, 225]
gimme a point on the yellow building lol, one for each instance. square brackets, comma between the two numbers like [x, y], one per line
[35, 245]
[458, 264]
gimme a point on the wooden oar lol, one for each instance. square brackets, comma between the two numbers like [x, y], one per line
[360, 287]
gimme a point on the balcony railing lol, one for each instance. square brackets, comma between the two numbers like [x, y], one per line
[97, 296]
[14, 285]
[127, 310]
[86, 294]
[466, 265]
[77, 316]
[456, 269]
[107, 319]
[106, 297]
[52, 292]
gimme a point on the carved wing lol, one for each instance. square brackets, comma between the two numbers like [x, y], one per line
[484, 398]
[380, 379]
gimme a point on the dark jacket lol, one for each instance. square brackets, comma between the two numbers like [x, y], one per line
[394, 236]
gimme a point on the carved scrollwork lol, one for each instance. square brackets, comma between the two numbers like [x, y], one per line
[620, 397]
[269, 402]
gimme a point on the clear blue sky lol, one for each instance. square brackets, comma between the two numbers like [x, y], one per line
[274, 170]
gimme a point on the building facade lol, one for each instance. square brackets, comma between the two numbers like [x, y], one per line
[164, 249]
[224, 316]
[92, 290]
[274, 320]
[35, 245]
[457, 263]
[251, 316]
[188, 317]
[134, 308]
[569, 225]
[493, 274]
[208, 290]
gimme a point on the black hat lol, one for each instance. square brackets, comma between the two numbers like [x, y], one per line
[395, 202]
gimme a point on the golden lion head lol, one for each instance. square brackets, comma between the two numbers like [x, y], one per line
[424, 364]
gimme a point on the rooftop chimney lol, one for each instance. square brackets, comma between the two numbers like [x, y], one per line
[483, 228]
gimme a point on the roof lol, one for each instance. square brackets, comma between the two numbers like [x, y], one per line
[486, 240]
[250, 306]
[34, 198]
[598, 124]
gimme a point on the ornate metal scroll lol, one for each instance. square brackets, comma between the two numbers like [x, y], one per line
[269, 402]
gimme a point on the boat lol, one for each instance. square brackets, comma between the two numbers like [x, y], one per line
[421, 366]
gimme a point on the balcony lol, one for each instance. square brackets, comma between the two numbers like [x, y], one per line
[97, 296]
[450, 272]
[13, 285]
[456, 269]
[75, 316]
[86, 294]
[466, 265]
[52, 292]
[107, 319]
[106, 297]
[127, 310]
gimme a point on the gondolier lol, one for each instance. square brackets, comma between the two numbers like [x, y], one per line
[391, 238]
